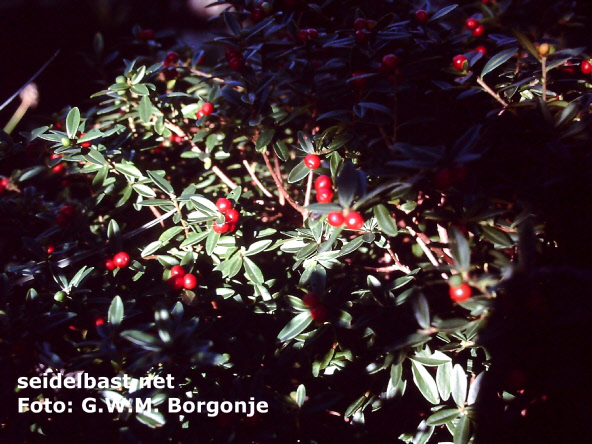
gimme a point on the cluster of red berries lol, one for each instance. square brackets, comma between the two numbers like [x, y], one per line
[472, 24]
[421, 17]
[4, 184]
[231, 217]
[234, 59]
[60, 167]
[460, 293]
[120, 260]
[65, 214]
[312, 161]
[447, 177]
[363, 29]
[146, 34]
[323, 186]
[389, 63]
[304, 35]
[179, 279]
[318, 312]
[353, 220]
[169, 62]
[206, 109]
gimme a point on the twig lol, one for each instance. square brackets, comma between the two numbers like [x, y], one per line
[491, 92]
[178, 208]
[255, 179]
[544, 67]
[29, 99]
[156, 214]
[308, 188]
[276, 164]
[281, 188]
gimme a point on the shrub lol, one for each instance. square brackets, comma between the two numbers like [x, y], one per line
[171, 228]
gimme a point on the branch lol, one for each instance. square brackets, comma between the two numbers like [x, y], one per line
[255, 179]
[491, 92]
[281, 188]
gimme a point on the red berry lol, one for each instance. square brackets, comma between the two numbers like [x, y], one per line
[319, 313]
[311, 300]
[325, 196]
[199, 114]
[323, 182]
[421, 17]
[146, 34]
[460, 62]
[360, 24]
[471, 23]
[312, 161]
[478, 31]
[50, 249]
[231, 53]
[121, 259]
[109, 264]
[482, 49]
[335, 219]
[232, 216]
[85, 144]
[390, 61]
[460, 293]
[220, 228]
[223, 205]
[302, 35]
[313, 34]
[59, 168]
[4, 182]
[99, 321]
[189, 281]
[235, 63]
[359, 83]
[354, 220]
[207, 108]
[176, 282]
[171, 58]
[177, 270]
[586, 67]
[68, 210]
[362, 36]
[443, 179]
[231, 227]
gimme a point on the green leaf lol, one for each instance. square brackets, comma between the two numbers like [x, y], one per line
[264, 139]
[144, 190]
[205, 205]
[161, 182]
[151, 418]
[497, 237]
[442, 12]
[113, 231]
[258, 246]
[443, 377]
[252, 271]
[95, 156]
[128, 170]
[231, 22]
[462, 431]
[298, 173]
[145, 109]
[305, 142]
[527, 44]
[443, 416]
[498, 59]
[193, 239]
[425, 383]
[355, 406]
[385, 221]
[72, 122]
[421, 310]
[115, 314]
[323, 208]
[460, 250]
[300, 395]
[347, 184]
[296, 326]
[151, 248]
[352, 246]
[211, 242]
[144, 340]
[281, 150]
[169, 234]
[459, 385]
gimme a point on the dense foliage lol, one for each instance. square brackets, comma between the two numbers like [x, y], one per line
[363, 213]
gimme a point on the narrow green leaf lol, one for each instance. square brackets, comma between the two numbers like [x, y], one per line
[498, 59]
[151, 248]
[305, 142]
[425, 383]
[169, 234]
[300, 395]
[460, 249]
[385, 221]
[72, 122]
[442, 12]
[161, 182]
[252, 271]
[298, 173]
[462, 431]
[264, 139]
[258, 246]
[211, 242]
[296, 326]
[115, 314]
[355, 406]
[144, 340]
[497, 237]
[443, 416]
[459, 385]
[443, 377]
[128, 170]
[145, 109]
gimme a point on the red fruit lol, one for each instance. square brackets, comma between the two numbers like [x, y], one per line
[99, 321]
[312, 161]
[443, 179]
[359, 83]
[323, 182]
[482, 49]
[4, 184]
[586, 67]
[235, 63]
[176, 282]
[171, 58]
[223, 205]
[319, 313]
[231, 227]
[257, 15]
[335, 219]
[302, 35]
[68, 210]
[146, 34]
[62, 219]
[390, 62]
[354, 220]
[177, 270]
[460, 62]
[199, 114]
[232, 216]
[362, 37]
[460, 293]
[325, 196]
[109, 264]
[313, 34]
[121, 259]
[311, 300]
[50, 249]
[59, 168]
[471, 23]
[85, 144]
[189, 281]
[207, 108]
[220, 228]
[478, 31]
[360, 24]
[421, 17]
